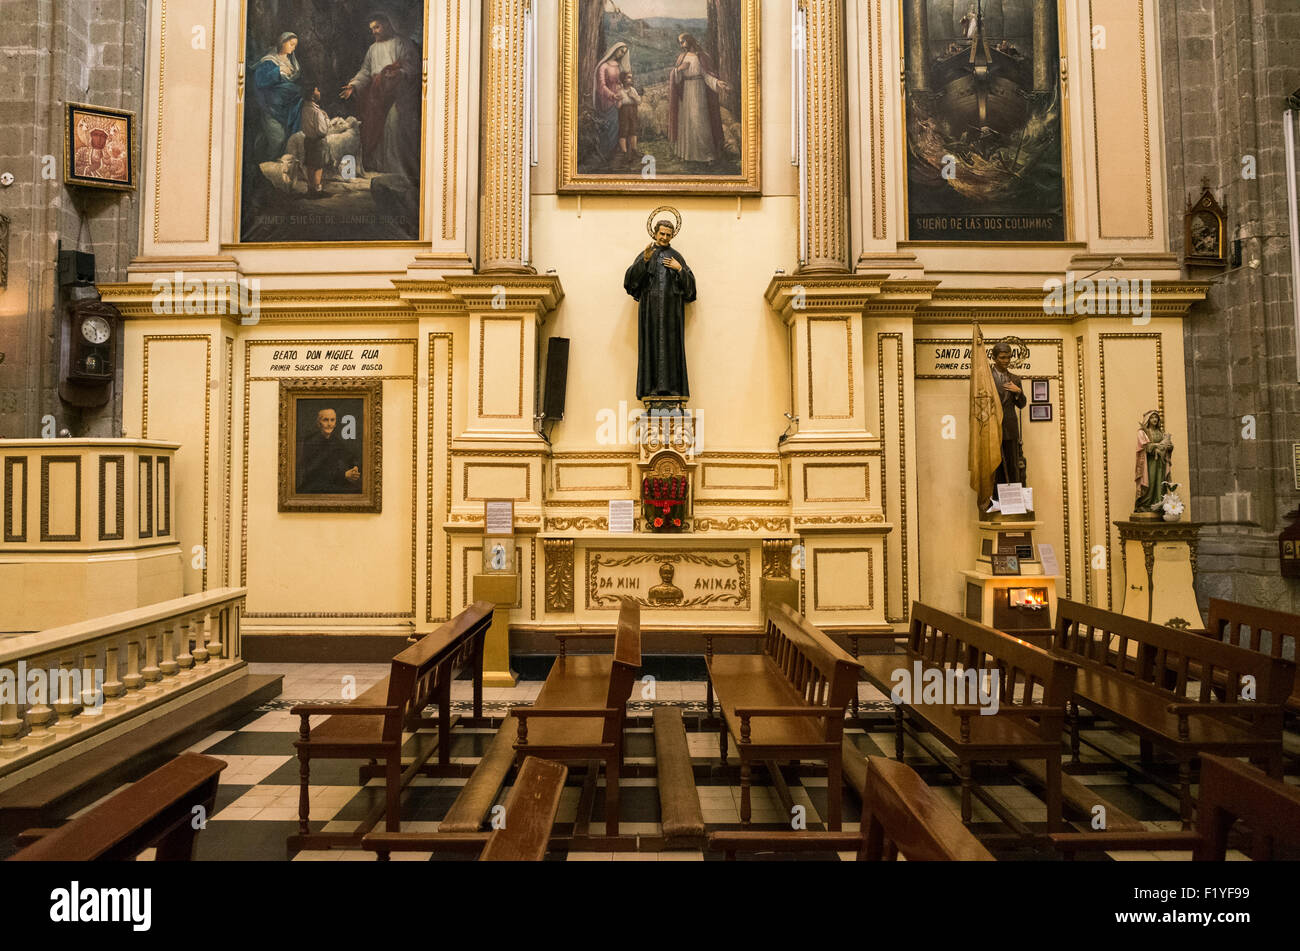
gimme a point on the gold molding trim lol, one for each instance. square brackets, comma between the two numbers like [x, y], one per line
[621, 557]
[207, 424]
[775, 471]
[229, 490]
[119, 464]
[903, 536]
[528, 480]
[12, 463]
[779, 524]
[777, 558]
[46, 462]
[1146, 134]
[579, 523]
[624, 467]
[163, 472]
[482, 336]
[414, 377]
[144, 484]
[848, 350]
[1105, 437]
[429, 521]
[871, 585]
[1079, 348]
[559, 575]
[866, 480]
[450, 128]
[876, 107]
[815, 520]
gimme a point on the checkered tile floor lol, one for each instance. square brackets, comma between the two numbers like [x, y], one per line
[257, 803]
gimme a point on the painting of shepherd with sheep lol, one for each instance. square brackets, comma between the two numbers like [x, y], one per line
[662, 96]
[332, 113]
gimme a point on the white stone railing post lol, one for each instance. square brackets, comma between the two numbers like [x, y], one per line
[67, 704]
[171, 630]
[11, 724]
[83, 677]
[151, 671]
[92, 701]
[184, 659]
[200, 652]
[39, 712]
[133, 679]
[114, 689]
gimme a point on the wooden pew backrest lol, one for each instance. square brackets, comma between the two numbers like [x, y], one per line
[1102, 638]
[816, 666]
[625, 667]
[1231, 790]
[1270, 632]
[947, 640]
[416, 671]
[899, 808]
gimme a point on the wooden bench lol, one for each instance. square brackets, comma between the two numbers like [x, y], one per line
[522, 836]
[900, 816]
[157, 811]
[371, 727]
[1139, 675]
[680, 815]
[1230, 791]
[786, 703]
[1246, 626]
[1031, 692]
[580, 711]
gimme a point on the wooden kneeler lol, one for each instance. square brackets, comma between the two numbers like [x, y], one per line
[530, 811]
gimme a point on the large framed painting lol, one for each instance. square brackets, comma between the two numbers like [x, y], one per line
[331, 457]
[99, 147]
[332, 121]
[659, 96]
[983, 106]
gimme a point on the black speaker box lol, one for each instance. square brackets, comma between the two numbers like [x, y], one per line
[76, 267]
[557, 374]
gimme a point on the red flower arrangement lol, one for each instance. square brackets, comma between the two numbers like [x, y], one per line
[663, 502]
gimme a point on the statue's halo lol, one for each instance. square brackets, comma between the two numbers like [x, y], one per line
[677, 217]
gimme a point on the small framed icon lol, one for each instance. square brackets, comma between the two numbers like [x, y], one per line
[1006, 564]
[1042, 391]
[1040, 412]
[99, 147]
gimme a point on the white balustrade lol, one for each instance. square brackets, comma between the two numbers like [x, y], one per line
[81, 677]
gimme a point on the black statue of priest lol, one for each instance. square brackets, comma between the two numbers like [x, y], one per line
[663, 285]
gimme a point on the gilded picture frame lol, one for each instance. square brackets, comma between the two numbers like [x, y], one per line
[662, 136]
[99, 147]
[412, 25]
[955, 223]
[331, 445]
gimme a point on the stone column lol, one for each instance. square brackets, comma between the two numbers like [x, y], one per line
[826, 124]
[503, 218]
[1043, 70]
[918, 46]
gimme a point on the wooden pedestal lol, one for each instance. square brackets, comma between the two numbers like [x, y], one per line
[501, 590]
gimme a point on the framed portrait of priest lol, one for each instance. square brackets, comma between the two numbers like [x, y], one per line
[330, 446]
[659, 96]
[331, 121]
